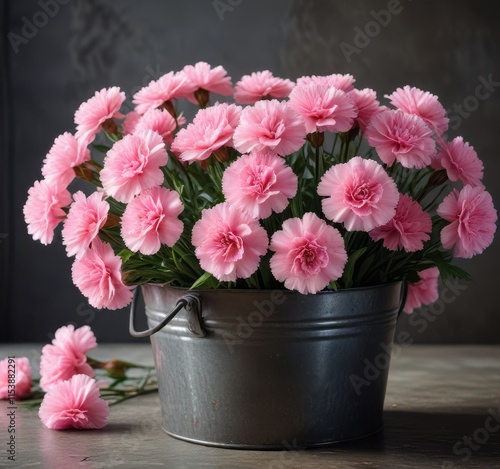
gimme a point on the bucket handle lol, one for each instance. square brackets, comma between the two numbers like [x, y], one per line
[191, 302]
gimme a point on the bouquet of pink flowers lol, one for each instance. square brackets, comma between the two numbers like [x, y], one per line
[74, 390]
[307, 186]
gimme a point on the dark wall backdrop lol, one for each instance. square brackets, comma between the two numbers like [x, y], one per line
[77, 47]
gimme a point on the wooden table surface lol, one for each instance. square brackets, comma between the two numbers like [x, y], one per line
[442, 410]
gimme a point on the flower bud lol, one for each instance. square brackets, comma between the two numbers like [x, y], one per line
[316, 139]
[110, 126]
[202, 96]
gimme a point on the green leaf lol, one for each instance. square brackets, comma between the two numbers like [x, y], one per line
[446, 269]
[333, 285]
[125, 255]
[102, 148]
[206, 278]
[349, 267]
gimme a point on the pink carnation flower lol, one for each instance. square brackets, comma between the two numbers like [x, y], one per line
[133, 165]
[323, 108]
[421, 103]
[408, 229]
[259, 183]
[92, 114]
[160, 92]
[130, 122]
[337, 80]
[98, 276]
[212, 129]
[20, 387]
[159, 121]
[472, 218]
[86, 216]
[150, 220]
[75, 403]
[423, 292]
[402, 137]
[460, 161]
[43, 209]
[309, 254]
[261, 85]
[270, 125]
[360, 194]
[367, 104]
[66, 153]
[203, 76]
[67, 355]
[229, 242]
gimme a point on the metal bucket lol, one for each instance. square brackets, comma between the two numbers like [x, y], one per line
[271, 369]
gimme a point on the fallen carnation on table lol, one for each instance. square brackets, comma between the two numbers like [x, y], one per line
[74, 390]
[307, 186]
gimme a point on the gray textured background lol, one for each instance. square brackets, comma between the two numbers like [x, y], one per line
[444, 47]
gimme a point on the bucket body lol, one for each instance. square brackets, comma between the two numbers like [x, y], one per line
[274, 369]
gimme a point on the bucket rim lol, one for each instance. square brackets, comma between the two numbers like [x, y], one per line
[281, 290]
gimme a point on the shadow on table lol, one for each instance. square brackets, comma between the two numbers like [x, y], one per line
[453, 438]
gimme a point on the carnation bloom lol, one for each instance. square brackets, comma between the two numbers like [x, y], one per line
[21, 385]
[43, 209]
[130, 122]
[460, 161]
[367, 104]
[150, 220]
[270, 125]
[212, 129]
[74, 403]
[359, 194]
[472, 218]
[203, 76]
[423, 292]
[402, 137]
[92, 114]
[134, 164]
[159, 121]
[86, 216]
[67, 355]
[259, 183]
[66, 153]
[261, 85]
[97, 273]
[323, 108]
[421, 103]
[309, 254]
[160, 92]
[229, 242]
[337, 80]
[408, 229]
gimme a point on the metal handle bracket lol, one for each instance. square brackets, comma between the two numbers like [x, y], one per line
[191, 302]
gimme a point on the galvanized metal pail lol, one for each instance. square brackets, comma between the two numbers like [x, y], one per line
[271, 369]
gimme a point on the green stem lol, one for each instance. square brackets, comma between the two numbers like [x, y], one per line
[316, 169]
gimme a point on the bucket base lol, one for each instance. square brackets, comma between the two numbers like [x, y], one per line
[288, 447]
